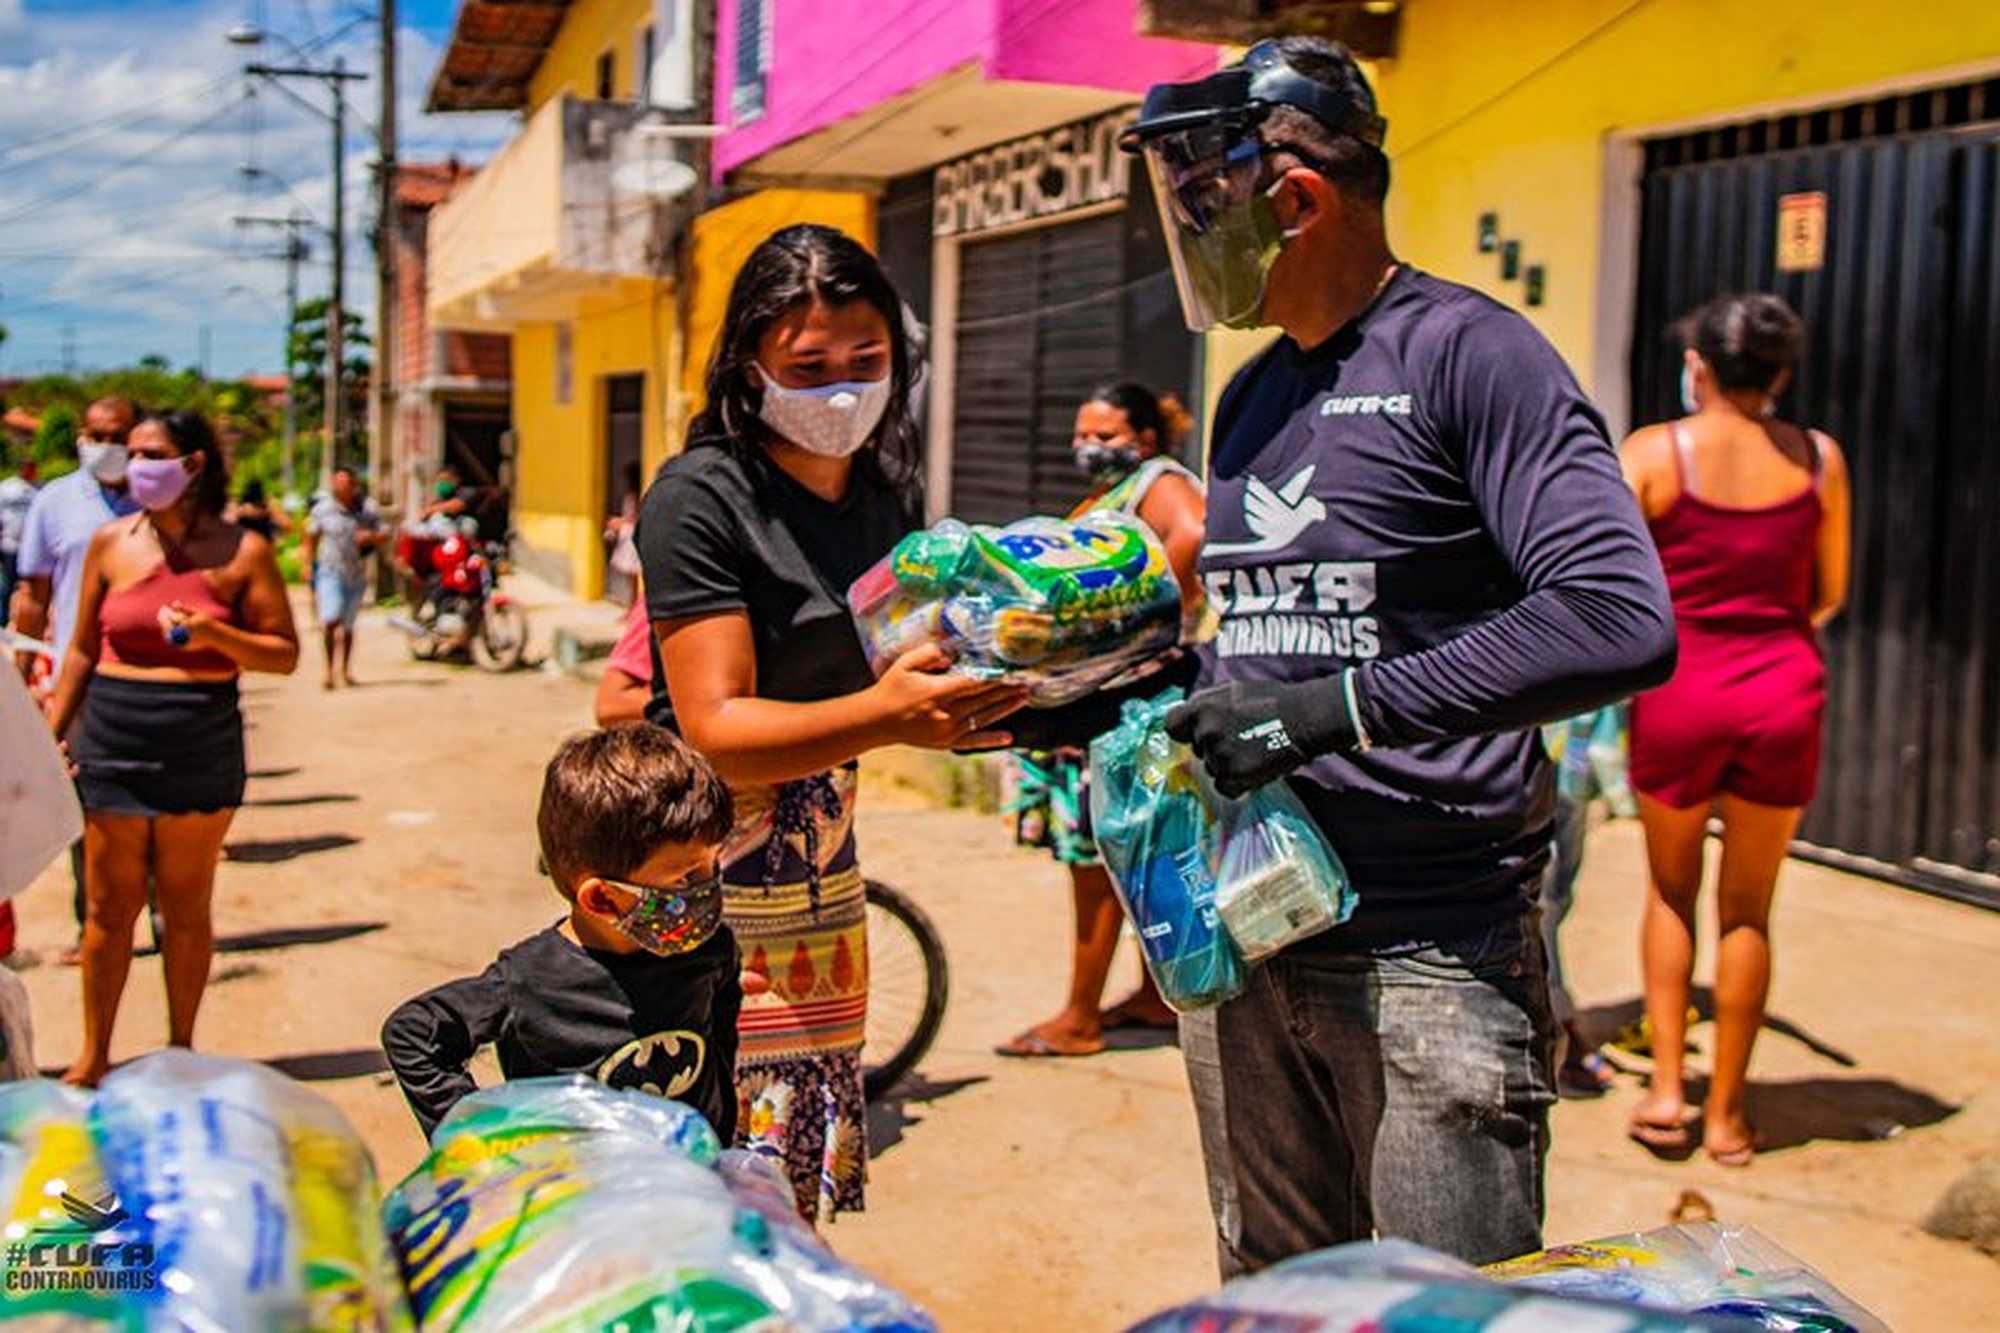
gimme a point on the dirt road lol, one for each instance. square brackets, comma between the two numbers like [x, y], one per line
[388, 844]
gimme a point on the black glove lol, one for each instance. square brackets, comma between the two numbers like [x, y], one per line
[1074, 725]
[1248, 733]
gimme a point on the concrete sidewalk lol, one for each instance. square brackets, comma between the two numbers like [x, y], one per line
[388, 844]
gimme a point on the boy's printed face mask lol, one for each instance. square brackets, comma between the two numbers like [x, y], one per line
[673, 919]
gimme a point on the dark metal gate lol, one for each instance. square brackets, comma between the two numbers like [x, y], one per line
[1903, 366]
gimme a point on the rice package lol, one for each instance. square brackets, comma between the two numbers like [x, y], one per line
[1156, 830]
[1276, 880]
[1394, 1286]
[73, 1260]
[557, 1203]
[1705, 1267]
[1060, 605]
[256, 1196]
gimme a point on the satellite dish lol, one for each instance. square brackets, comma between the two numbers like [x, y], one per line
[660, 178]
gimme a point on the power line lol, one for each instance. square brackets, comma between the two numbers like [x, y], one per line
[96, 180]
[90, 131]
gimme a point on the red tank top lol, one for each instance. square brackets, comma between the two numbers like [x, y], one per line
[1740, 569]
[129, 621]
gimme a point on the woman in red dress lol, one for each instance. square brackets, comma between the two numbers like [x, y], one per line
[1751, 518]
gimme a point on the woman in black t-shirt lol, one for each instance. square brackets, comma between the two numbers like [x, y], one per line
[799, 475]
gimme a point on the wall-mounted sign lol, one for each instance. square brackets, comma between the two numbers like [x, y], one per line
[1801, 231]
[1037, 177]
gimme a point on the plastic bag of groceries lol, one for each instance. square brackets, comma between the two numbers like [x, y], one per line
[62, 1219]
[1396, 1287]
[1705, 1267]
[1156, 829]
[256, 1196]
[1060, 605]
[1276, 880]
[559, 1203]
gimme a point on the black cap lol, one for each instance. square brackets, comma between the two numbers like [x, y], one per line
[1243, 95]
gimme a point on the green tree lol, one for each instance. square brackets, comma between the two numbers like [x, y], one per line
[306, 349]
[55, 442]
[153, 361]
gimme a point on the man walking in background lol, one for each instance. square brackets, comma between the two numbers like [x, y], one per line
[342, 528]
[17, 495]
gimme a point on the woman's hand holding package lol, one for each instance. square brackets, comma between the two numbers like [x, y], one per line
[925, 705]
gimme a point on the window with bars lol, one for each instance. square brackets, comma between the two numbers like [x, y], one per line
[1959, 104]
[753, 59]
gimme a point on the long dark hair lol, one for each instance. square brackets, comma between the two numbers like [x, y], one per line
[793, 267]
[192, 434]
[1160, 413]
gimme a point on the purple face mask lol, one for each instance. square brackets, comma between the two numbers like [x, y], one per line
[157, 483]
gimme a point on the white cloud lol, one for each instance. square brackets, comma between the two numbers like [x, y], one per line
[122, 138]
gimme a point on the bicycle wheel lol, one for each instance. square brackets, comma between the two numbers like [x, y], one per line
[908, 985]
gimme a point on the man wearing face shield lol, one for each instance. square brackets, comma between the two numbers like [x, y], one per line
[1420, 547]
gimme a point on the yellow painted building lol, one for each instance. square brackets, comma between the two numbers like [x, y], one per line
[1538, 113]
[612, 292]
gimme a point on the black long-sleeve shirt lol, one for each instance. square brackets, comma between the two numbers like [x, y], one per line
[1430, 497]
[551, 1006]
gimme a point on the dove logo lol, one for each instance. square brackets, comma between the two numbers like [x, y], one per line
[1277, 518]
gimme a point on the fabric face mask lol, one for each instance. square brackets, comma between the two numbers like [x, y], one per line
[157, 483]
[832, 420]
[675, 920]
[106, 462]
[1107, 461]
[1688, 403]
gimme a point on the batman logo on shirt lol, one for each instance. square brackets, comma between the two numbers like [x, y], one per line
[665, 1064]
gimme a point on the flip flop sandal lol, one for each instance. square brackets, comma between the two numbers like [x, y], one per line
[1030, 1046]
[1740, 1156]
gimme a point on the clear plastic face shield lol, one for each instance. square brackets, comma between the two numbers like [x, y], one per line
[1208, 165]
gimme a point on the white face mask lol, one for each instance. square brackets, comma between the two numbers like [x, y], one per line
[106, 462]
[832, 420]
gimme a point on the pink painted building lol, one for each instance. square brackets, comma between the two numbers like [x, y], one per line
[1023, 241]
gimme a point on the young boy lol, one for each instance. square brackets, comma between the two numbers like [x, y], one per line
[638, 986]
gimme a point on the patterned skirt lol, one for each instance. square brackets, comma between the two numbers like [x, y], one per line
[794, 897]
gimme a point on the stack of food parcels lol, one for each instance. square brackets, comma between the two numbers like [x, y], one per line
[1697, 1277]
[558, 1203]
[190, 1193]
[1063, 606]
[1212, 885]
[194, 1193]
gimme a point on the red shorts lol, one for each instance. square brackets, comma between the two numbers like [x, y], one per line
[1741, 715]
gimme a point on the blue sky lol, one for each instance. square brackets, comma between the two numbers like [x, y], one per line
[126, 129]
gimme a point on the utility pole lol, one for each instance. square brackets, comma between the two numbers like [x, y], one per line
[333, 78]
[69, 349]
[382, 451]
[296, 253]
[202, 359]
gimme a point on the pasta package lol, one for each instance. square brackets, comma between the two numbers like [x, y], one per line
[255, 1196]
[557, 1203]
[1062, 606]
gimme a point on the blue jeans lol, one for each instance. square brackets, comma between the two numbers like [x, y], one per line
[1559, 895]
[1355, 1095]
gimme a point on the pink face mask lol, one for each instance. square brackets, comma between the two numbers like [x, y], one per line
[157, 483]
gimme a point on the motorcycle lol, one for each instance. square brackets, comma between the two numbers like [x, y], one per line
[462, 610]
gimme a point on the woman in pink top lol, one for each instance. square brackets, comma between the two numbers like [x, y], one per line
[176, 604]
[1750, 515]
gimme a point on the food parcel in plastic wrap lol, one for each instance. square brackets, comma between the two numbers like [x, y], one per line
[1207, 882]
[191, 1193]
[1394, 1286]
[256, 1198]
[1060, 605]
[557, 1203]
[73, 1261]
[1707, 1267]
